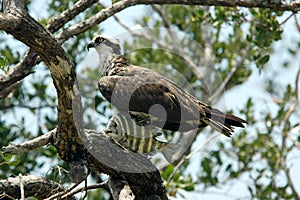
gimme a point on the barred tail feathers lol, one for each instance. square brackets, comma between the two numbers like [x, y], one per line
[222, 122]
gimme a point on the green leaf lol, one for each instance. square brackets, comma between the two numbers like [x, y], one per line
[190, 187]
[14, 163]
[2, 61]
[263, 60]
[8, 157]
[168, 171]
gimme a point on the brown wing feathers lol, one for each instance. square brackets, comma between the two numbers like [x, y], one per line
[166, 93]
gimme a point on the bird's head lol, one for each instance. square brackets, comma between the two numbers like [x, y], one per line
[104, 45]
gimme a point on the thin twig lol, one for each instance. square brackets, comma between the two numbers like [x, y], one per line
[86, 188]
[290, 111]
[284, 21]
[297, 23]
[59, 194]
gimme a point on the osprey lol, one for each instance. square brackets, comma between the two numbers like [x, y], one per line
[150, 97]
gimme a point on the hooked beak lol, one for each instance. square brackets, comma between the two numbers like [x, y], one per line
[91, 45]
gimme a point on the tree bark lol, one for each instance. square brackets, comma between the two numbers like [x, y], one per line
[33, 186]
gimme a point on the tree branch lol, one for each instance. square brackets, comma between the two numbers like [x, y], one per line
[89, 187]
[18, 72]
[119, 6]
[8, 89]
[34, 186]
[107, 156]
[66, 16]
[31, 144]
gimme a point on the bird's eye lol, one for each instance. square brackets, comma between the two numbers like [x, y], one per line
[100, 39]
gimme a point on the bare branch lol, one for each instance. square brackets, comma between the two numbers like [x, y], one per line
[66, 16]
[89, 187]
[104, 155]
[162, 16]
[33, 186]
[31, 144]
[287, 19]
[275, 5]
[59, 195]
[8, 89]
[19, 5]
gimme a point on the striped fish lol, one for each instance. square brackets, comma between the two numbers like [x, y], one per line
[138, 138]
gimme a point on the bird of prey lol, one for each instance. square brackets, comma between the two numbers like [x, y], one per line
[138, 138]
[150, 97]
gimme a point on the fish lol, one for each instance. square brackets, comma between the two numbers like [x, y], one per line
[137, 137]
